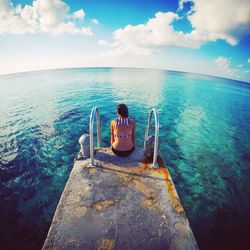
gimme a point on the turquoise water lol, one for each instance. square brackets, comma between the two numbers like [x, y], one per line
[205, 140]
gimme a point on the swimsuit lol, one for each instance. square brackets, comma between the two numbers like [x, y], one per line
[122, 121]
[122, 153]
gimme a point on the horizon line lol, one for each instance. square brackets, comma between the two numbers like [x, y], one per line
[121, 67]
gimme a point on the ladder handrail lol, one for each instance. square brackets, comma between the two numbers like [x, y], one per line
[156, 144]
[91, 133]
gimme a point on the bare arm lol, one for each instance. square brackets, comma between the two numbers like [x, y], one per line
[133, 132]
[112, 132]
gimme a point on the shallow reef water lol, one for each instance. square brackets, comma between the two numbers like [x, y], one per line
[204, 133]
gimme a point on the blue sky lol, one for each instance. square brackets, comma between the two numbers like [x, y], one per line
[208, 37]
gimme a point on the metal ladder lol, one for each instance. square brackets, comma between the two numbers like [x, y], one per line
[91, 133]
[95, 111]
[156, 143]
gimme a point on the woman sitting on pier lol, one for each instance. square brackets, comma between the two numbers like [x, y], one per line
[122, 133]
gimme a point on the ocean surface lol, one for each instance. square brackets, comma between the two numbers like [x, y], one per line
[204, 132]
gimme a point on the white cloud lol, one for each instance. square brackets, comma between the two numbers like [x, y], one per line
[69, 27]
[208, 21]
[50, 16]
[225, 68]
[222, 62]
[95, 21]
[220, 19]
[156, 33]
[79, 14]
[248, 60]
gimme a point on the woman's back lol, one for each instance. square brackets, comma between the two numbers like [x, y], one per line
[122, 134]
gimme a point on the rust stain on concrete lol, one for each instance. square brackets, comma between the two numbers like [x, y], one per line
[173, 196]
[80, 211]
[105, 244]
[92, 170]
[141, 187]
[102, 205]
[163, 172]
[150, 203]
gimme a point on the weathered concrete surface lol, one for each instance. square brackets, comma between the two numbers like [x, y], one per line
[120, 204]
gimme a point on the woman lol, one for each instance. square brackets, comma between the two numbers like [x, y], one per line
[122, 133]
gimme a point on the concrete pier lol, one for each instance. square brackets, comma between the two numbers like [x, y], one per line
[120, 204]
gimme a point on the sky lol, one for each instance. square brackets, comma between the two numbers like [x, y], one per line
[200, 36]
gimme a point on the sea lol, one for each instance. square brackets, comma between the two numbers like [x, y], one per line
[204, 139]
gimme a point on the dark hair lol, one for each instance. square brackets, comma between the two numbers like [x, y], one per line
[122, 110]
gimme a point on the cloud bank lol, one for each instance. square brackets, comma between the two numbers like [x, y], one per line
[50, 16]
[222, 62]
[220, 19]
[211, 20]
[225, 68]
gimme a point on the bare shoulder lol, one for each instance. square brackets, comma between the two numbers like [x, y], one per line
[112, 122]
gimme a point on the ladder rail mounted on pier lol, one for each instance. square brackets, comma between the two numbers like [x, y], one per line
[156, 142]
[94, 111]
